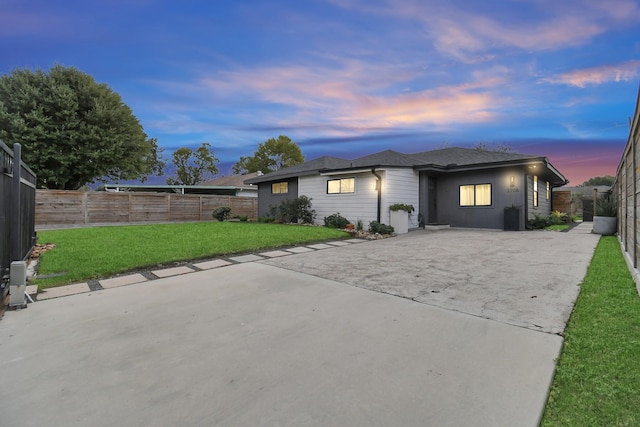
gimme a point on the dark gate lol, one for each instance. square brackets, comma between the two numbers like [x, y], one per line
[17, 212]
[587, 210]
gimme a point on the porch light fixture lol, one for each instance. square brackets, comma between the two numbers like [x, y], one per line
[512, 181]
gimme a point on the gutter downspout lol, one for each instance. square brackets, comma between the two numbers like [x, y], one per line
[379, 188]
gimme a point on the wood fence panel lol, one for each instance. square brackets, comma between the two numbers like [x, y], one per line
[149, 207]
[561, 201]
[107, 208]
[61, 207]
[184, 207]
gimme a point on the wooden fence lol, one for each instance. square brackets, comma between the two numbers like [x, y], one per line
[627, 189]
[73, 208]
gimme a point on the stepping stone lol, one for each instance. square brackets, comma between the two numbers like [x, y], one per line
[129, 279]
[320, 246]
[355, 240]
[167, 272]
[246, 258]
[338, 243]
[274, 254]
[207, 265]
[299, 250]
[63, 291]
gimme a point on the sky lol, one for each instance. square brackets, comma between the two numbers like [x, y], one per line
[348, 78]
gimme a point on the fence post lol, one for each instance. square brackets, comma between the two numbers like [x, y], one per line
[16, 217]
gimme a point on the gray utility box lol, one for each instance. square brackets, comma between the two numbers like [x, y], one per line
[18, 284]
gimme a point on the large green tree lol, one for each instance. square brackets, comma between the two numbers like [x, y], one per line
[270, 156]
[73, 130]
[193, 167]
[599, 180]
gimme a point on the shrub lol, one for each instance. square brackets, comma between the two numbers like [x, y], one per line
[359, 225]
[558, 217]
[376, 227]
[401, 207]
[265, 219]
[335, 221]
[221, 213]
[538, 222]
[243, 218]
[606, 206]
[293, 211]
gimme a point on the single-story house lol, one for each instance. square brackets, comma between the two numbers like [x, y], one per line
[232, 185]
[460, 187]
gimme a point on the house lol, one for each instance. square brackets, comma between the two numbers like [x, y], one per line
[461, 187]
[232, 185]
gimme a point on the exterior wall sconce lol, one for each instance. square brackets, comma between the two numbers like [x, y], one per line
[512, 181]
[376, 185]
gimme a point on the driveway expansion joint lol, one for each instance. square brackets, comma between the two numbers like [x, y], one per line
[160, 272]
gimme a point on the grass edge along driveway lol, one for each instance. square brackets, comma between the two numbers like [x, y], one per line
[90, 253]
[598, 372]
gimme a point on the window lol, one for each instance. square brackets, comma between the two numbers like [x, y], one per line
[548, 190]
[475, 195]
[339, 186]
[280, 188]
[535, 190]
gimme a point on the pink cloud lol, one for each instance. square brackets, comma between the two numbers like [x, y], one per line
[625, 71]
[363, 95]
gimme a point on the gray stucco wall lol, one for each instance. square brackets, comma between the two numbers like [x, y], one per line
[266, 199]
[503, 195]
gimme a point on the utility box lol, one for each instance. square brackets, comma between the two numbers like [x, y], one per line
[17, 284]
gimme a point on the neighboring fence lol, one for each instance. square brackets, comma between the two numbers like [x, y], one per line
[627, 189]
[561, 201]
[61, 207]
[17, 211]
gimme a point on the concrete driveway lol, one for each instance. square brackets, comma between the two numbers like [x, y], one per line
[257, 344]
[528, 279]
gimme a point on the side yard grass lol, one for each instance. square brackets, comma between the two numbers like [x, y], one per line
[597, 380]
[91, 253]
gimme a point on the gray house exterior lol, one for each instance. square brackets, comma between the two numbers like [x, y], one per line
[460, 187]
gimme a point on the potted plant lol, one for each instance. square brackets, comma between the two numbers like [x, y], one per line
[399, 217]
[605, 220]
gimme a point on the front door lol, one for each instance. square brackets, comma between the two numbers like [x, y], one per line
[432, 213]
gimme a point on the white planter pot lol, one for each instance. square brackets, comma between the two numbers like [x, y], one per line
[399, 221]
[605, 225]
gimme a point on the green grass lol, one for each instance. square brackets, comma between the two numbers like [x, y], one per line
[98, 252]
[557, 227]
[597, 380]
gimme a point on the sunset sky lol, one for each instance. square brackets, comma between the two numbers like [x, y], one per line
[352, 77]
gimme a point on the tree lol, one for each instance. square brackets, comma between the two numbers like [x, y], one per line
[192, 167]
[599, 180]
[500, 148]
[270, 156]
[74, 130]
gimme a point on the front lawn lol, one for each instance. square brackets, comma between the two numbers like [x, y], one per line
[98, 252]
[597, 380]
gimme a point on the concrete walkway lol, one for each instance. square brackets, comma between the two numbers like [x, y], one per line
[258, 344]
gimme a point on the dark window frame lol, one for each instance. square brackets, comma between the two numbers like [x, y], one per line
[475, 195]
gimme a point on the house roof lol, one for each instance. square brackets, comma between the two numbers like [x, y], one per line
[230, 181]
[443, 160]
[467, 156]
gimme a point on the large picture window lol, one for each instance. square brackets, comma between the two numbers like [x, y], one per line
[280, 188]
[475, 195]
[343, 185]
